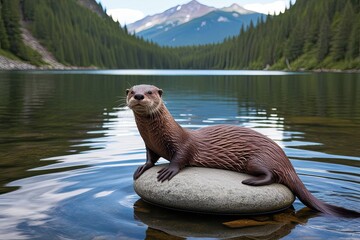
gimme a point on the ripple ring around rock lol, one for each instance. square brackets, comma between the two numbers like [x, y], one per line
[213, 191]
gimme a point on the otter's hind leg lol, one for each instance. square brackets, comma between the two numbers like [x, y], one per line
[262, 176]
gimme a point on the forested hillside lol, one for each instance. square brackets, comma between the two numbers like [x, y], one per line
[10, 33]
[321, 34]
[77, 36]
[310, 35]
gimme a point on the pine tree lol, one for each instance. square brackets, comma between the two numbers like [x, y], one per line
[342, 34]
[4, 42]
[125, 29]
[354, 43]
[324, 40]
[11, 19]
[295, 43]
[308, 30]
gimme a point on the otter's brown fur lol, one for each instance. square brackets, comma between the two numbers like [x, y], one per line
[223, 146]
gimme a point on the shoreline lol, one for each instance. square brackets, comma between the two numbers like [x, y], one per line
[7, 64]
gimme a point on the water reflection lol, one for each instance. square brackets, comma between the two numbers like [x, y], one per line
[68, 151]
[160, 72]
[42, 198]
[171, 224]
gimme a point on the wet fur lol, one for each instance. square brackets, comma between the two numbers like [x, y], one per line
[223, 146]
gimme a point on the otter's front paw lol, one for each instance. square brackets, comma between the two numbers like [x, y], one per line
[142, 169]
[167, 173]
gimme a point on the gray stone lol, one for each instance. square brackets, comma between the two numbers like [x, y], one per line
[212, 191]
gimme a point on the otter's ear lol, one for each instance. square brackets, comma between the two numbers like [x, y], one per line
[127, 91]
[160, 91]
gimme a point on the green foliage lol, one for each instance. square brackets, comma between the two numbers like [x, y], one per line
[353, 51]
[11, 18]
[324, 39]
[309, 35]
[8, 55]
[80, 37]
[342, 33]
[10, 33]
[4, 41]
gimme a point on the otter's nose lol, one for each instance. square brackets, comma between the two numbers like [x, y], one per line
[139, 97]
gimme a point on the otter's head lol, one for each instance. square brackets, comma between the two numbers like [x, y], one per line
[144, 99]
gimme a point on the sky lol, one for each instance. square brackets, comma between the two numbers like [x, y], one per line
[129, 11]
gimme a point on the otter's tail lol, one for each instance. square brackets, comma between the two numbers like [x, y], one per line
[312, 202]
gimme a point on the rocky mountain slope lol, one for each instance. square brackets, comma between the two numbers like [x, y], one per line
[214, 27]
[67, 33]
[194, 24]
[173, 17]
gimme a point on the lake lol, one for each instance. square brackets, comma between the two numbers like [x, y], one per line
[69, 147]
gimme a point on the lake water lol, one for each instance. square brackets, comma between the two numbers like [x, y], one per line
[69, 147]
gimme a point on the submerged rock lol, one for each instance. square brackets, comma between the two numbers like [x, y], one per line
[212, 191]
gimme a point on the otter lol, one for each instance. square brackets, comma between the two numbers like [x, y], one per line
[227, 147]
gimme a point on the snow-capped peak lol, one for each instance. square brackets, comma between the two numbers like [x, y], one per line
[236, 8]
[181, 14]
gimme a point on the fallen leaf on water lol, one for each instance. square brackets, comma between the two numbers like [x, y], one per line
[247, 223]
[284, 217]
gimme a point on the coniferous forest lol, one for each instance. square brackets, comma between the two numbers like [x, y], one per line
[10, 33]
[78, 36]
[310, 35]
[321, 34]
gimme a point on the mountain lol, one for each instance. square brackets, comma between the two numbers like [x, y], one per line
[310, 35]
[75, 33]
[236, 8]
[172, 17]
[213, 27]
[193, 24]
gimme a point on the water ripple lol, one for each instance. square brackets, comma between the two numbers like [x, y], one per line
[89, 176]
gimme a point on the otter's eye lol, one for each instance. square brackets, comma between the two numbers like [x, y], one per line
[132, 92]
[149, 92]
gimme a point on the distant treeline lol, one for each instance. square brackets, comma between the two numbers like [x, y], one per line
[77, 36]
[309, 35]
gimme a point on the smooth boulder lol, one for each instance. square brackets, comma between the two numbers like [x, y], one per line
[214, 191]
